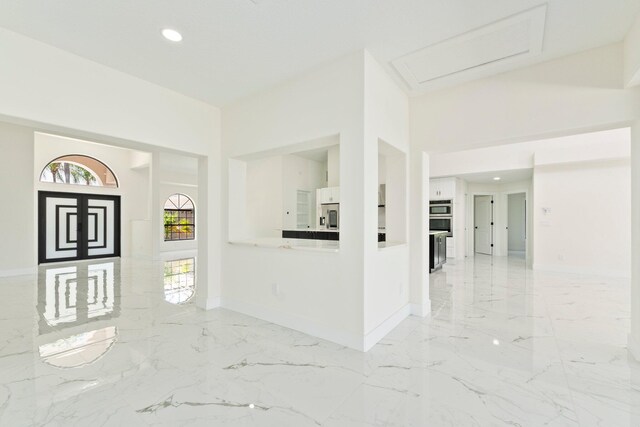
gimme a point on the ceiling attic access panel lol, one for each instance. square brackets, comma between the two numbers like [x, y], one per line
[477, 53]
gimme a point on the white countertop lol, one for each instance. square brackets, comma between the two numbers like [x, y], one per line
[294, 244]
[387, 245]
[327, 230]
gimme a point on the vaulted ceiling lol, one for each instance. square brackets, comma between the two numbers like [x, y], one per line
[233, 48]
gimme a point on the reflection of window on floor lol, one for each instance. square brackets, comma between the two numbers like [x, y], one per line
[79, 350]
[179, 280]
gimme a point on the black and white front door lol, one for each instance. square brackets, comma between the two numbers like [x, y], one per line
[74, 226]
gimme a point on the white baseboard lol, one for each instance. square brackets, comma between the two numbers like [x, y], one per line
[373, 337]
[298, 323]
[421, 310]
[634, 347]
[583, 271]
[19, 272]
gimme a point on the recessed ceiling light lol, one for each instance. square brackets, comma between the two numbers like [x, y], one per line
[496, 178]
[171, 35]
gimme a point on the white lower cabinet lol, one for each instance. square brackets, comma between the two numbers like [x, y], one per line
[451, 249]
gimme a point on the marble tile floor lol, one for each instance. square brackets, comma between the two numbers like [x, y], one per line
[122, 344]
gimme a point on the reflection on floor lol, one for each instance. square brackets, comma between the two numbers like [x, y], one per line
[78, 350]
[76, 294]
[503, 346]
[179, 280]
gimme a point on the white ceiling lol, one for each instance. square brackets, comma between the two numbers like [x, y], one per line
[233, 48]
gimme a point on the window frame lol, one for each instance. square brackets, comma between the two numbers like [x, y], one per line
[99, 180]
[189, 217]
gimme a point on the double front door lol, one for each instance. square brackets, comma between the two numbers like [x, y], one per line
[75, 226]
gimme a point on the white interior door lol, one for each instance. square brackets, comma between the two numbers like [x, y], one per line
[483, 218]
[516, 222]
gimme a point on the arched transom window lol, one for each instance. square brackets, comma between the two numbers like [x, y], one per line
[78, 170]
[179, 218]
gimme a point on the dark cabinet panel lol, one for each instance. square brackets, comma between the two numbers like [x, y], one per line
[310, 235]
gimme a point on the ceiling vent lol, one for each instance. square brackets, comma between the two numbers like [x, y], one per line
[493, 48]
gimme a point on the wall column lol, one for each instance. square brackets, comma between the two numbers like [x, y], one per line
[634, 336]
[157, 219]
[208, 263]
[419, 233]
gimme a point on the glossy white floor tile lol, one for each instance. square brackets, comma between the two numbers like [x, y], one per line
[121, 343]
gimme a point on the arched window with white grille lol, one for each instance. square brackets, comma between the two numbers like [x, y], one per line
[179, 218]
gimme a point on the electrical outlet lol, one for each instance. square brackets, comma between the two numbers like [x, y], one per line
[275, 289]
[401, 289]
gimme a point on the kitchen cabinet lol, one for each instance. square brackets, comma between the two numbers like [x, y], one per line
[451, 249]
[442, 189]
[437, 250]
[328, 195]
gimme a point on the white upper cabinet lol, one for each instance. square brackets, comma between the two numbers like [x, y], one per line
[334, 196]
[328, 195]
[442, 189]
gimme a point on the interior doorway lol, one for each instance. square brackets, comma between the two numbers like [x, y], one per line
[517, 224]
[483, 224]
[74, 226]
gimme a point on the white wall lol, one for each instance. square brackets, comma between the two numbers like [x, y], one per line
[516, 222]
[577, 93]
[632, 55]
[18, 247]
[518, 156]
[570, 186]
[79, 94]
[386, 119]
[634, 336]
[265, 197]
[582, 217]
[353, 296]
[319, 293]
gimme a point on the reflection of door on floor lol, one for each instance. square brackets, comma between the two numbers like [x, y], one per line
[77, 226]
[516, 223]
[483, 217]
